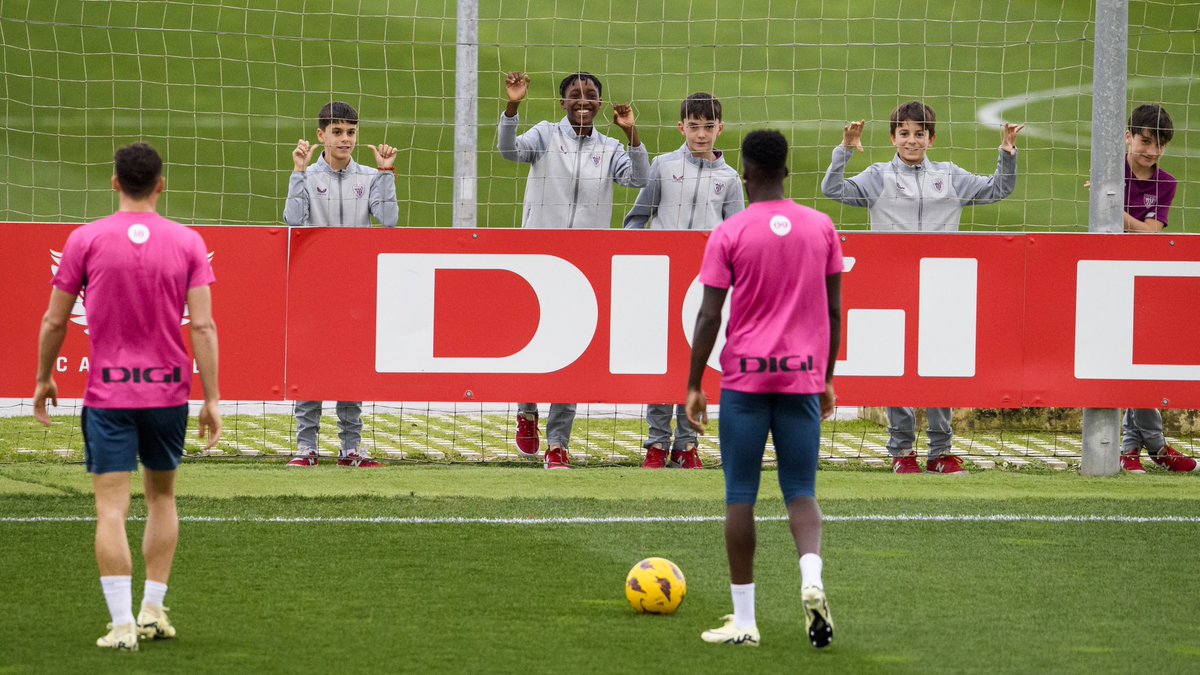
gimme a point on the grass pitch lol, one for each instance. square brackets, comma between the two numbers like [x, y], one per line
[430, 586]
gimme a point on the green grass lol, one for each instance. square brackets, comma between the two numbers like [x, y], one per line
[225, 87]
[909, 596]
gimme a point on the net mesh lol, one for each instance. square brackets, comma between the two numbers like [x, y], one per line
[225, 89]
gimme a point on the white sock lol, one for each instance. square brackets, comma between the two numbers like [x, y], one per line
[154, 593]
[743, 605]
[118, 593]
[810, 570]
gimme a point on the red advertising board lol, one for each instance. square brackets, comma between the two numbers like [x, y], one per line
[960, 320]
[249, 305]
[1112, 321]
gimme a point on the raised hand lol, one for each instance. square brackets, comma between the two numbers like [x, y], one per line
[1010, 137]
[852, 135]
[385, 155]
[516, 85]
[303, 153]
[623, 116]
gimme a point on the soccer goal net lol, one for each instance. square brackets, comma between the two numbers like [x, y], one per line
[225, 88]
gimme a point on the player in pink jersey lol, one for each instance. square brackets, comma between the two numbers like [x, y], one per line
[139, 269]
[784, 264]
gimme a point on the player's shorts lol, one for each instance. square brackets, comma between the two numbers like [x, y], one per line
[794, 421]
[114, 440]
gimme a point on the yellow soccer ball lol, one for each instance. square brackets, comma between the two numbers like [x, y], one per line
[655, 586]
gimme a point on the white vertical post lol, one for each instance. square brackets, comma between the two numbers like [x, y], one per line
[1106, 206]
[466, 118]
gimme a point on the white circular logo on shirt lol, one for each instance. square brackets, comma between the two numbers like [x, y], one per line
[140, 234]
[781, 226]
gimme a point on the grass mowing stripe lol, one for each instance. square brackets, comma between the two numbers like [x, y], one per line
[879, 518]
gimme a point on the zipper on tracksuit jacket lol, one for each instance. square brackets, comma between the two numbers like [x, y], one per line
[575, 192]
[695, 194]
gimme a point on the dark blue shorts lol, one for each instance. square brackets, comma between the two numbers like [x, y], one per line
[113, 440]
[794, 421]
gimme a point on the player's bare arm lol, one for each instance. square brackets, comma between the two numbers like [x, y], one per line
[385, 156]
[516, 87]
[50, 340]
[624, 118]
[1011, 131]
[204, 344]
[708, 324]
[852, 135]
[303, 154]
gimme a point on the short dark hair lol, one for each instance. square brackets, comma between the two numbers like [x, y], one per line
[138, 168]
[1153, 120]
[701, 105]
[562, 87]
[765, 150]
[336, 111]
[913, 111]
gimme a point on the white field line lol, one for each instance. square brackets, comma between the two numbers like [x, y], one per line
[993, 114]
[876, 518]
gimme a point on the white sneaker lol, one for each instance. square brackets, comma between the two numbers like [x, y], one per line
[730, 634]
[817, 620]
[123, 638]
[152, 623]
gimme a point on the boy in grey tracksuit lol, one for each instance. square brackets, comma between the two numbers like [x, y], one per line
[572, 171]
[337, 192]
[691, 188]
[913, 194]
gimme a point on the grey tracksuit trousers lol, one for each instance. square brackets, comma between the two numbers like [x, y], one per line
[902, 433]
[1143, 429]
[658, 417]
[308, 425]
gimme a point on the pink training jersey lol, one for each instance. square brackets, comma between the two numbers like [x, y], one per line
[776, 256]
[134, 270]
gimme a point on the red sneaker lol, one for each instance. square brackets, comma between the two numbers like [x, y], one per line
[1175, 461]
[1132, 463]
[945, 464]
[358, 461]
[906, 464]
[686, 459]
[656, 458]
[557, 458]
[305, 460]
[527, 438]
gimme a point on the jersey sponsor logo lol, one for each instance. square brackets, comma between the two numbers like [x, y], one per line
[781, 226]
[677, 179]
[360, 190]
[321, 190]
[138, 233]
[151, 375]
[776, 364]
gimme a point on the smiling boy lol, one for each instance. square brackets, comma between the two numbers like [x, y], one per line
[913, 194]
[572, 171]
[336, 191]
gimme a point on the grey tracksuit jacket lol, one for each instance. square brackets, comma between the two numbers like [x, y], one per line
[687, 193]
[571, 176]
[928, 197]
[323, 197]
